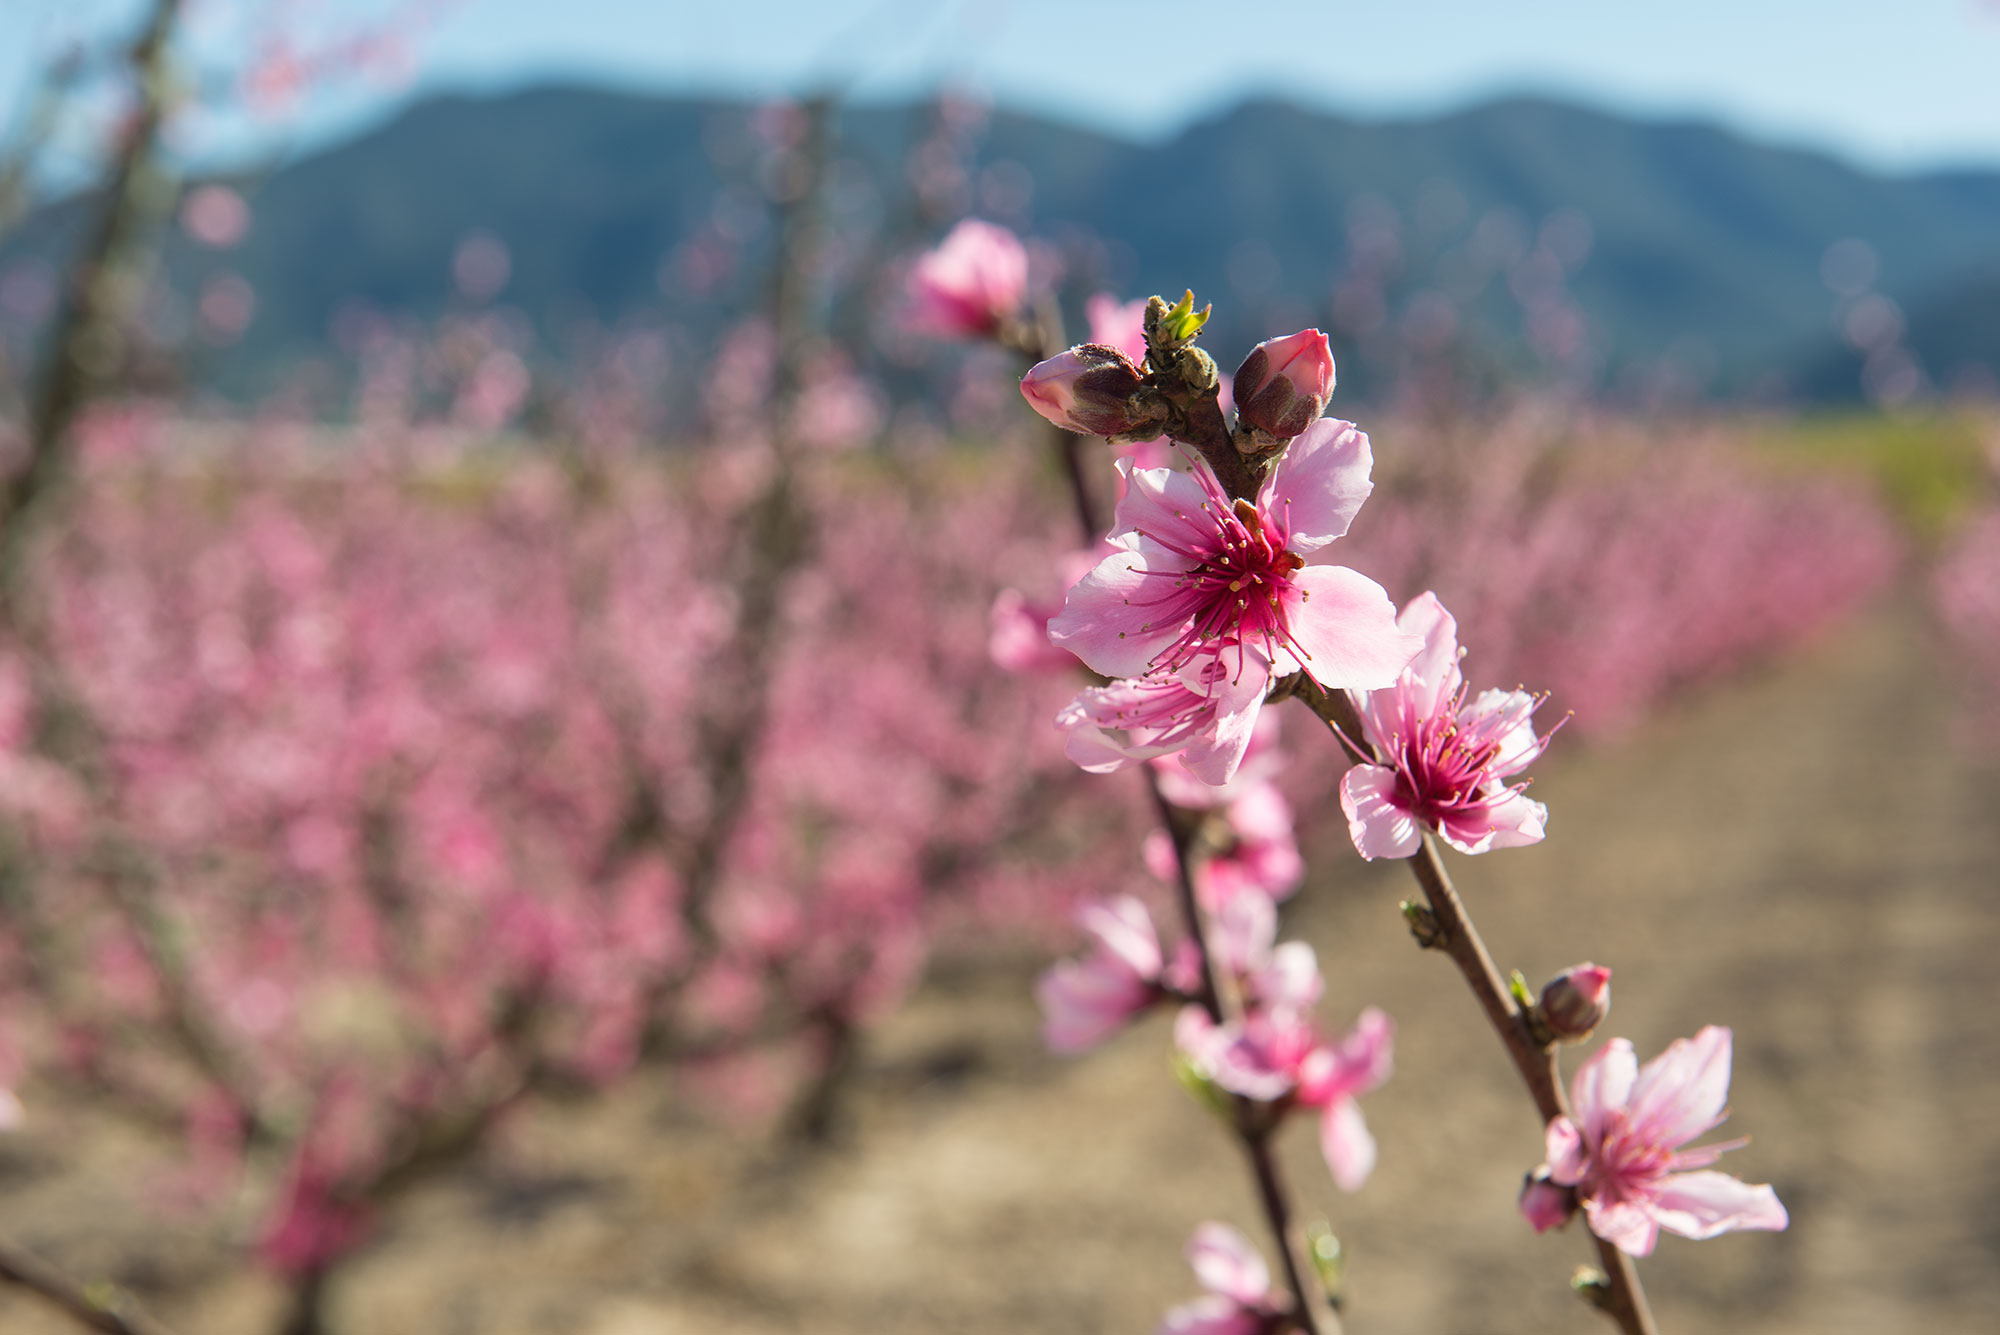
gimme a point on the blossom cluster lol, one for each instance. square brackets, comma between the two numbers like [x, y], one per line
[1203, 603]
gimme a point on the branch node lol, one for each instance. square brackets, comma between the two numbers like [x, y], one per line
[1593, 1286]
[1425, 928]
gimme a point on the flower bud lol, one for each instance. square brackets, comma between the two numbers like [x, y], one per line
[1283, 385]
[1091, 389]
[1546, 1205]
[1576, 1002]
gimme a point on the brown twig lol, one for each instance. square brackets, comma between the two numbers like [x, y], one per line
[1312, 1312]
[1450, 929]
[93, 1307]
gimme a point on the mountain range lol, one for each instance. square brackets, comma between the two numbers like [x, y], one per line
[1683, 244]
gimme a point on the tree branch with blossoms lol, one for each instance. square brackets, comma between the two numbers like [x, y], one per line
[1248, 1047]
[1216, 598]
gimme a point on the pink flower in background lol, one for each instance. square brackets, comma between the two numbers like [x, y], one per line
[1086, 1001]
[1018, 625]
[1238, 1284]
[1201, 576]
[1261, 855]
[1273, 1053]
[1262, 762]
[971, 283]
[1621, 1148]
[1445, 760]
[1118, 324]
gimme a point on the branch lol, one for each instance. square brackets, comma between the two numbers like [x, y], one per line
[1450, 929]
[95, 1307]
[1312, 1312]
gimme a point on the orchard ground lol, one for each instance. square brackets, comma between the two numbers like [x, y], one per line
[1808, 854]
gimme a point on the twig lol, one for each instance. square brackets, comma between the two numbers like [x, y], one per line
[1454, 933]
[1312, 1312]
[96, 1308]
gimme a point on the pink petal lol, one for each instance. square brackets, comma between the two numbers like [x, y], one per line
[1432, 676]
[1292, 978]
[1167, 506]
[1344, 627]
[1319, 485]
[1344, 1140]
[1515, 725]
[1083, 1003]
[1568, 1158]
[1379, 827]
[1209, 1316]
[1701, 1205]
[1627, 1225]
[1602, 1085]
[1245, 929]
[1514, 822]
[1680, 1093]
[1105, 620]
[1226, 1264]
[1214, 756]
[1124, 929]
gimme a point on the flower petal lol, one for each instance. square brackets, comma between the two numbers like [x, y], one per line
[1432, 676]
[1107, 620]
[1602, 1085]
[1701, 1205]
[1379, 828]
[1215, 753]
[1319, 485]
[1680, 1093]
[1226, 1264]
[1568, 1159]
[1170, 507]
[1345, 1141]
[1123, 929]
[1343, 626]
[1627, 1225]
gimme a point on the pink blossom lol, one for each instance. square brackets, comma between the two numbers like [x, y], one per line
[1118, 324]
[1086, 1001]
[1446, 760]
[1200, 575]
[1272, 1054]
[1018, 625]
[971, 283]
[1621, 1148]
[1238, 1284]
[1259, 855]
[1284, 384]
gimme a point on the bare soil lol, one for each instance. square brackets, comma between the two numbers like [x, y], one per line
[1807, 855]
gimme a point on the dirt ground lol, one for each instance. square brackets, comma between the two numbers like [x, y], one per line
[1806, 855]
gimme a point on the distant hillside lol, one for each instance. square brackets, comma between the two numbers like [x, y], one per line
[1704, 246]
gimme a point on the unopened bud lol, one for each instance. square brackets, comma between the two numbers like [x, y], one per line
[1576, 1002]
[1546, 1205]
[1284, 384]
[1091, 388]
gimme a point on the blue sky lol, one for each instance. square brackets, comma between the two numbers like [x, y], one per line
[1900, 86]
